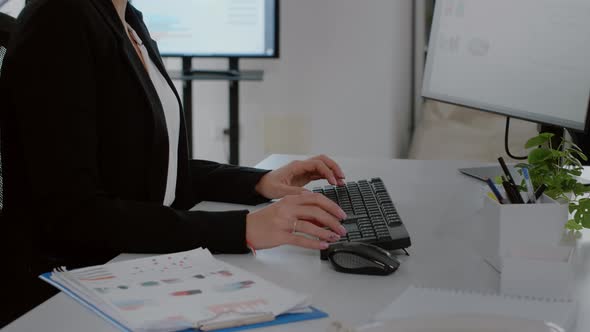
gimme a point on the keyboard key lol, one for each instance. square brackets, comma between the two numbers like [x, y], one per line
[357, 216]
[368, 234]
[355, 232]
[359, 209]
[365, 222]
[351, 227]
[398, 232]
[366, 229]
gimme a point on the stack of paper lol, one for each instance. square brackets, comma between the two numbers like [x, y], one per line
[173, 292]
[425, 302]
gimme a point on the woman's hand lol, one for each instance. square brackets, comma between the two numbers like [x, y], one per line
[290, 179]
[306, 214]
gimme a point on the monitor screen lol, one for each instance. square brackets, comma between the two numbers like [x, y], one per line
[528, 59]
[12, 7]
[213, 28]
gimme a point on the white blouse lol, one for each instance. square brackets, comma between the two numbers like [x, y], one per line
[171, 113]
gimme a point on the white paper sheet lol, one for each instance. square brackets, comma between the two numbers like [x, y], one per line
[178, 291]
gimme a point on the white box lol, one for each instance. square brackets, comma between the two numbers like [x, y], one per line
[510, 227]
[541, 272]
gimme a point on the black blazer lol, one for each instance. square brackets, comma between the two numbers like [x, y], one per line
[85, 146]
[6, 25]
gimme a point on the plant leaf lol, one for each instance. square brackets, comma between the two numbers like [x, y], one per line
[539, 155]
[582, 213]
[572, 207]
[572, 225]
[580, 154]
[538, 140]
[574, 146]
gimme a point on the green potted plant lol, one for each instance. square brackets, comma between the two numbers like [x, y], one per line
[557, 168]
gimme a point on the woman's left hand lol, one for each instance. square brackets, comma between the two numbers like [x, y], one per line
[290, 179]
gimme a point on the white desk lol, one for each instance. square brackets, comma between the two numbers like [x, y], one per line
[436, 204]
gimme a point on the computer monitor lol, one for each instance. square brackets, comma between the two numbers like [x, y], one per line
[527, 59]
[12, 7]
[213, 28]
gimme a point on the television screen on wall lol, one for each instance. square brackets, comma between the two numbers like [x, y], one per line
[213, 28]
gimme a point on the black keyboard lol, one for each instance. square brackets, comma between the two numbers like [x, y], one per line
[372, 217]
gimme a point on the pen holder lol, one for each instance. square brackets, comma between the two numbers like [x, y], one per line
[510, 227]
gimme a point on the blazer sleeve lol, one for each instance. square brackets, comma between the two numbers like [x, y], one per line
[226, 183]
[51, 77]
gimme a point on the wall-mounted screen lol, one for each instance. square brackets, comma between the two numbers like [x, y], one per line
[12, 7]
[213, 28]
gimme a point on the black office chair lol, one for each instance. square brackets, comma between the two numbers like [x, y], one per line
[6, 25]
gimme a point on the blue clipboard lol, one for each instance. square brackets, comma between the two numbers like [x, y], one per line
[279, 320]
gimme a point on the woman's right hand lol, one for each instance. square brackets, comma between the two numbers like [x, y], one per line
[290, 219]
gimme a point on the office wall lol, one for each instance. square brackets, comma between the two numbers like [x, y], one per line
[342, 86]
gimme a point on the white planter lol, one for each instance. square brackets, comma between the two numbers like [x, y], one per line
[512, 227]
[529, 245]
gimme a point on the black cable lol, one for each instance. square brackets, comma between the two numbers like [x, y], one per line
[506, 142]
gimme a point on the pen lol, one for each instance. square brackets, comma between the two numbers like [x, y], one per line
[506, 170]
[512, 193]
[254, 318]
[495, 190]
[508, 191]
[529, 185]
[519, 199]
[539, 193]
[492, 196]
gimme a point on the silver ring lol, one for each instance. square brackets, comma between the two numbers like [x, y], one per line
[294, 227]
